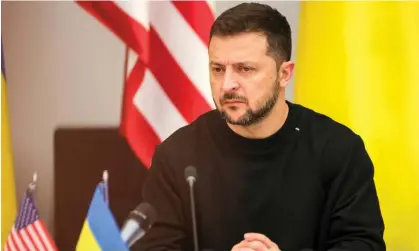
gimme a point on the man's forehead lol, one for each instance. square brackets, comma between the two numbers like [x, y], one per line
[231, 62]
[237, 56]
[237, 48]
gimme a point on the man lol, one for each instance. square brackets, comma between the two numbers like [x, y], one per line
[272, 175]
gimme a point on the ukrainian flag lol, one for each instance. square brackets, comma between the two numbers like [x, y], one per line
[358, 62]
[8, 190]
[100, 230]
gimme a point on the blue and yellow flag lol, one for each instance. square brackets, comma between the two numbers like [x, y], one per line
[358, 62]
[100, 230]
[8, 190]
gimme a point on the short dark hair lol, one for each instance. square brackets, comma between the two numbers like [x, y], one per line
[256, 17]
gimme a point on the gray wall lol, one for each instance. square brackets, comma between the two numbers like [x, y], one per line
[62, 66]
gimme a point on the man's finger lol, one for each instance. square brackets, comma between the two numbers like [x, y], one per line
[239, 245]
[250, 245]
[262, 238]
[257, 245]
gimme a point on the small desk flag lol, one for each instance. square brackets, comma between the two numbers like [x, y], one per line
[29, 231]
[100, 230]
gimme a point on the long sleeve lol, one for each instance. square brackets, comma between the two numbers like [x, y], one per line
[355, 218]
[168, 232]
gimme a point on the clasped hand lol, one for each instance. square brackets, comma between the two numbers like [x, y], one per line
[255, 242]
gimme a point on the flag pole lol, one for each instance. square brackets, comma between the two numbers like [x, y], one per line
[32, 185]
[106, 186]
[126, 64]
[124, 84]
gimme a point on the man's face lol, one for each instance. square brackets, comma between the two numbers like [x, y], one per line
[245, 81]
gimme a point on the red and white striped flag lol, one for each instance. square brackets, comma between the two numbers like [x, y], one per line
[167, 83]
[29, 231]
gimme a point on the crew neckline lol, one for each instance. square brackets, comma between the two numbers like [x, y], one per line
[237, 142]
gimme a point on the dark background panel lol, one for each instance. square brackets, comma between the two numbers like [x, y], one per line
[80, 157]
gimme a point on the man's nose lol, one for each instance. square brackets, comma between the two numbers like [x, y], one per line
[230, 82]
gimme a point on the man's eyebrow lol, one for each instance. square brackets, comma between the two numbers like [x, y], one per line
[215, 63]
[245, 63]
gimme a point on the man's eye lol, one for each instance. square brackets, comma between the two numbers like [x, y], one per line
[217, 69]
[245, 69]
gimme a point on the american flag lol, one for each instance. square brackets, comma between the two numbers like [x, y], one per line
[167, 78]
[29, 231]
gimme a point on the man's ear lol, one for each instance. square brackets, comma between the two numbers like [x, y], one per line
[285, 73]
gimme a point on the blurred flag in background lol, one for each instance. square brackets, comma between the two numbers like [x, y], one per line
[8, 189]
[359, 63]
[167, 78]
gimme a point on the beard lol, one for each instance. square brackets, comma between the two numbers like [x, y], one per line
[251, 116]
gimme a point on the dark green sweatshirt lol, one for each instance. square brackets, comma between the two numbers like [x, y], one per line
[310, 185]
